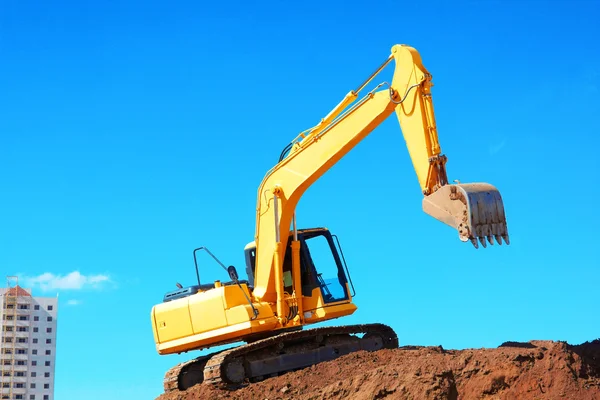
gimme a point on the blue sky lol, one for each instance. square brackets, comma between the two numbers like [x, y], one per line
[133, 133]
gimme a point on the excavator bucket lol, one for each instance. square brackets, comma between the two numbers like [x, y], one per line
[476, 210]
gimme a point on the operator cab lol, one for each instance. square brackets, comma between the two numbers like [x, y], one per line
[322, 265]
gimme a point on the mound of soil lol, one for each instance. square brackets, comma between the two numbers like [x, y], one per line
[533, 370]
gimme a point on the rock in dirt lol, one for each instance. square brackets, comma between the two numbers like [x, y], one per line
[541, 370]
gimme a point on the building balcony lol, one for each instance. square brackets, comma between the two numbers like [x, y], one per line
[14, 346]
[14, 334]
[9, 299]
[15, 390]
[13, 380]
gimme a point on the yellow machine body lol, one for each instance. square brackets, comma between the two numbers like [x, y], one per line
[221, 313]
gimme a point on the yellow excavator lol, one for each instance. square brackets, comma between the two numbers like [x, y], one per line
[298, 277]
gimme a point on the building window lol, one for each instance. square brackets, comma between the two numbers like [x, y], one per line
[34, 340]
[46, 397]
[19, 385]
[7, 362]
[33, 374]
[32, 396]
[21, 351]
[18, 397]
[35, 330]
[8, 328]
[20, 373]
[49, 319]
[6, 373]
[34, 363]
[7, 340]
[10, 306]
[48, 341]
[46, 386]
[34, 351]
[6, 385]
[32, 386]
[36, 318]
[48, 330]
[50, 308]
[7, 351]
[23, 306]
[36, 307]
[47, 363]
[23, 317]
[21, 362]
[22, 340]
[9, 317]
[46, 374]
[48, 352]
[22, 328]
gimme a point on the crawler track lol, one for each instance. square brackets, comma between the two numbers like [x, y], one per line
[278, 354]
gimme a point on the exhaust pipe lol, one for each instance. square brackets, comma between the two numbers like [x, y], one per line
[476, 210]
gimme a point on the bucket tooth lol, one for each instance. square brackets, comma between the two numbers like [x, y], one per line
[475, 210]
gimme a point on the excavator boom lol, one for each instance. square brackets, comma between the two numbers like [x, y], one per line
[476, 210]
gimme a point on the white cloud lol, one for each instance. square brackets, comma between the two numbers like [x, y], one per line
[73, 302]
[72, 281]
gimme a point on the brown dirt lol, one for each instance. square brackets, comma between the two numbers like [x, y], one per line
[533, 370]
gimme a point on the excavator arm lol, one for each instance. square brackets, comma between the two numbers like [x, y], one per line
[475, 210]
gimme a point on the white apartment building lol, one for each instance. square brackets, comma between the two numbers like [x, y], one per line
[27, 344]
